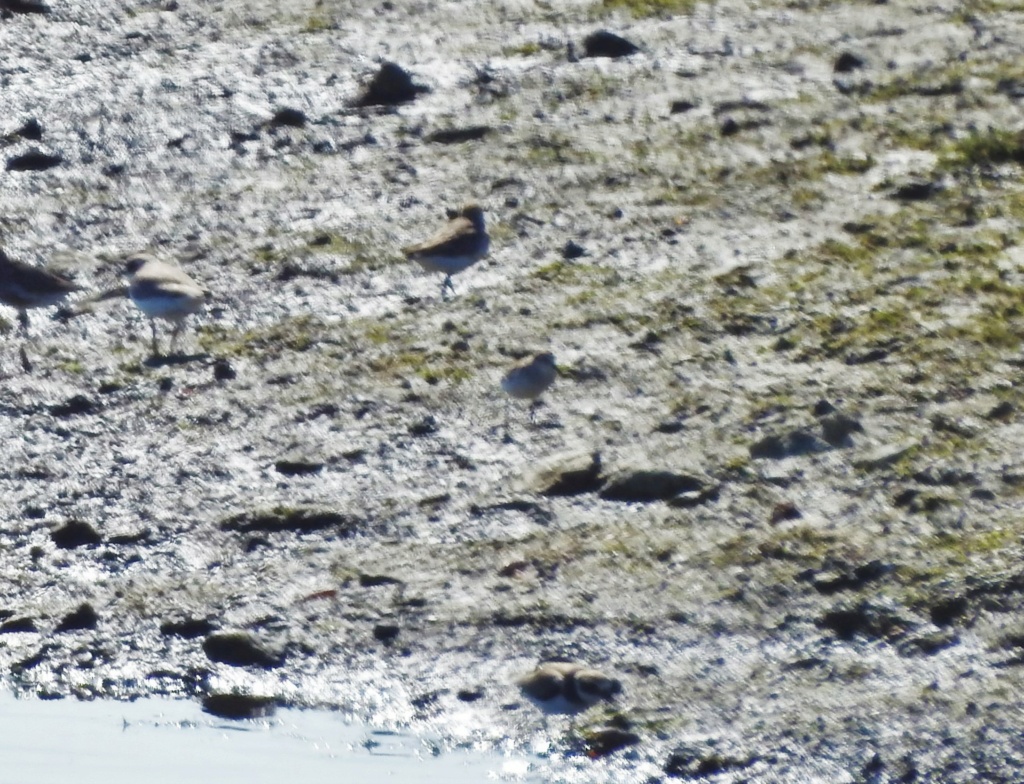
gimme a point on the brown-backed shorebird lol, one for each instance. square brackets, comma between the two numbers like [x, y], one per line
[567, 687]
[23, 287]
[459, 245]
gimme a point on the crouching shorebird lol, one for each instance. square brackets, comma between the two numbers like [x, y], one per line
[458, 246]
[567, 687]
[23, 286]
[529, 380]
[165, 291]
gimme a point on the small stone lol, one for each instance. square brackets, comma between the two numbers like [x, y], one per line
[930, 642]
[376, 580]
[1001, 410]
[15, 625]
[424, 427]
[607, 740]
[222, 370]
[729, 127]
[33, 160]
[458, 135]
[916, 190]
[302, 519]
[85, 617]
[31, 130]
[74, 534]
[793, 444]
[643, 485]
[390, 86]
[573, 251]
[873, 620]
[703, 761]
[848, 61]
[187, 628]
[784, 510]
[679, 107]
[298, 465]
[822, 408]
[73, 406]
[837, 429]
[513, 569]
[240, 649]
[23, 7]
[288, 117]
[385, 632]
[238, 706]
[607, 44]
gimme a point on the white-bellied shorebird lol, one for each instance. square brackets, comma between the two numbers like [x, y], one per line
[164, 291]
[459, 245]
[529, 380]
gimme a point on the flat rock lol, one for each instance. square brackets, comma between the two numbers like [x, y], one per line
[299, 464]
[604, 43]
[644, 485]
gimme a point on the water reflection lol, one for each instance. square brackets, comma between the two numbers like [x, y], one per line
[173, 741]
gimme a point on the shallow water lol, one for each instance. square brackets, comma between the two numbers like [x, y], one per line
[173, 741]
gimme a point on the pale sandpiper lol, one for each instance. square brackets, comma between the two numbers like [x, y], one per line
[165, 291]
[459, 245]
[529, 380]
[567, 687]
[23, 286]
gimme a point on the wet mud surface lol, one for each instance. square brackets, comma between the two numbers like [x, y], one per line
[776, 489]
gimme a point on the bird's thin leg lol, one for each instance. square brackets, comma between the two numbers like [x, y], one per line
[175, 333]
[23, 329]
[154, 346]
[508, 436]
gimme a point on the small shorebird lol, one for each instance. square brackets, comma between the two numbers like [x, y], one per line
[529, 380]
[23, 286]
[566, 687]
[162, 290]
[458, 246]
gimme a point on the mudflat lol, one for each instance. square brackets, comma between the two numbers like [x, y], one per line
[775, 491]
